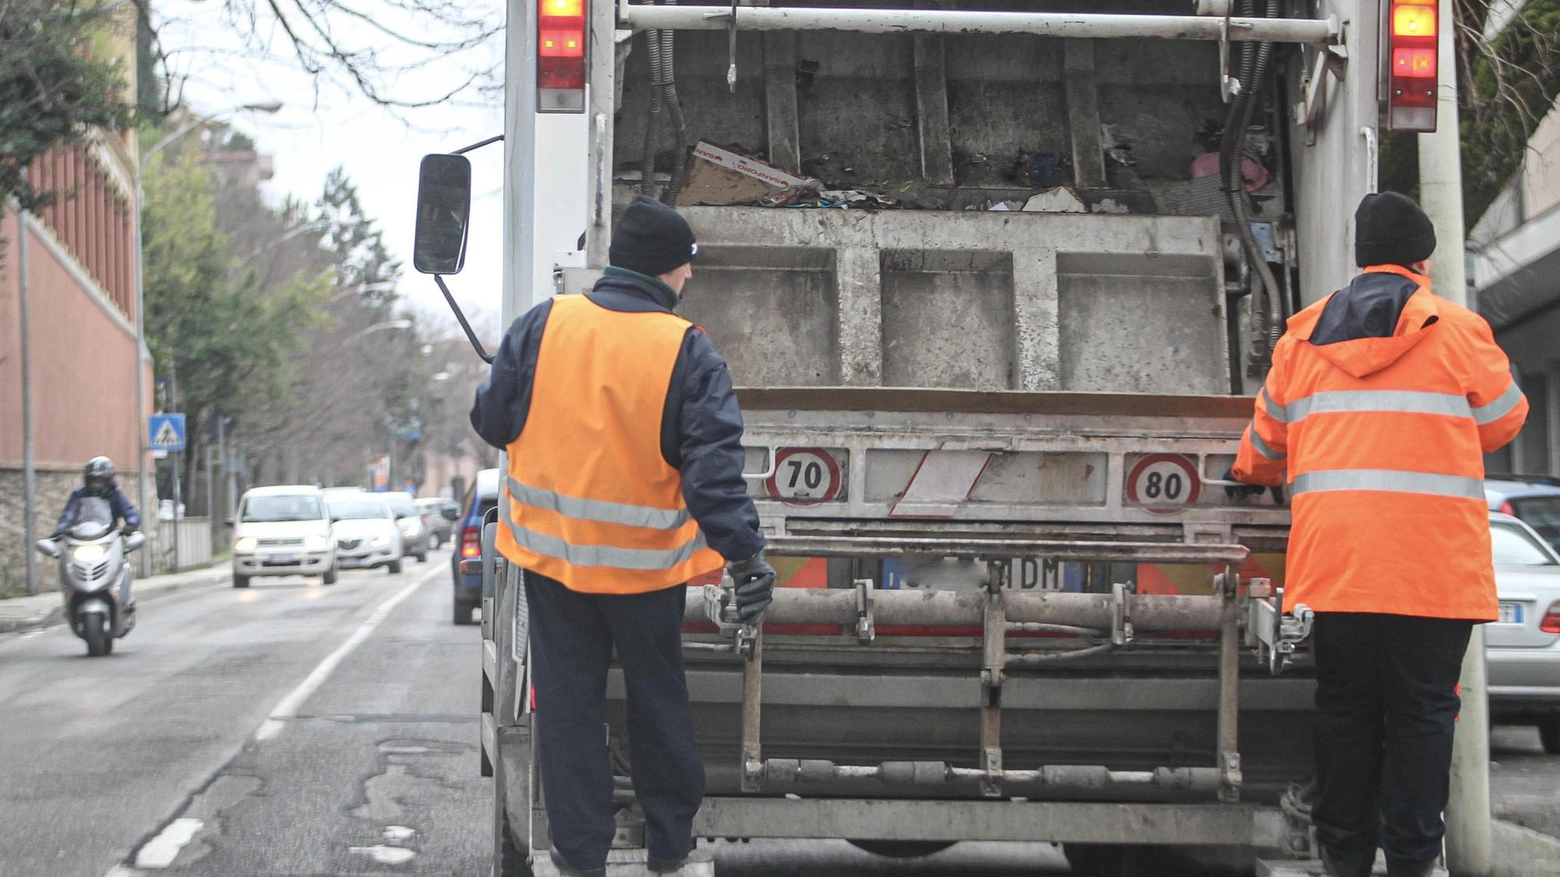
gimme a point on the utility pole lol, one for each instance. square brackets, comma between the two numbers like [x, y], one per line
[1469, 847]
[29, 449]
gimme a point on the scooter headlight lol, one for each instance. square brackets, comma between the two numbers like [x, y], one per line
[315, 542]
[88, 553]
[245, 544]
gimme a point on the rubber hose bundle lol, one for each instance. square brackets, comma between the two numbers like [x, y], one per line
[663, 95]
[1254, 62]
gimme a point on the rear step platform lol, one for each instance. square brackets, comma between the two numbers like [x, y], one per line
[631, 863]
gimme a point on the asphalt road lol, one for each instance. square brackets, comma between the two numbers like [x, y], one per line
[302, 730]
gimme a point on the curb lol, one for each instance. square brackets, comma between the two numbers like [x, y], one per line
[143, 590]
[1523, 852]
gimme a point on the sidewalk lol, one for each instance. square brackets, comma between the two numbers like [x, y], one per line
[46, 608]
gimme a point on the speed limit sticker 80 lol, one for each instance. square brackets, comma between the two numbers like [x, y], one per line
[1163, 483]
[805, 476]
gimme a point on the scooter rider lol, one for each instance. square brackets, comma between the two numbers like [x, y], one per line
[97, 480]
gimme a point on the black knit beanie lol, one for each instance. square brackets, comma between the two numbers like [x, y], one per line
[651, 238]
[1390, 229]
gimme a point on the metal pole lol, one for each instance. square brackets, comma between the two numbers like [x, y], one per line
[230, 479]
[142, 480]
[1469, 848]
[173, 457]
[29, 463]
[221, 455]
[950, 21]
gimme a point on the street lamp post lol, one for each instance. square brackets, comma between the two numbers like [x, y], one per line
[142, 355]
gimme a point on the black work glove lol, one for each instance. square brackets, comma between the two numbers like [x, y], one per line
[126, 531]
[755, 581]
[1243, 491]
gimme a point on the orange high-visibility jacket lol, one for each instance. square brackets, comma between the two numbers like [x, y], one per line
[592, 502]
[1380, 404]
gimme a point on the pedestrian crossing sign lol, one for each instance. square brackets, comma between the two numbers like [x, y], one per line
[167, 432]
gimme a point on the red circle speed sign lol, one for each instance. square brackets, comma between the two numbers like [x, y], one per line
[804, 476]
[1163, 483]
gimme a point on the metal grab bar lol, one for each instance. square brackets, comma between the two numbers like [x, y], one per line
[949, 608]
[950, 21]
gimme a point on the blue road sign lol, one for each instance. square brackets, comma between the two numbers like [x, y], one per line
[167, 432]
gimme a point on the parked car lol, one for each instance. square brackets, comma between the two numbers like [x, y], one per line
[414, 537]
[481, 497]
[282, 531]
[1532, 499]
[439, 517]
[365, 531]
[1522, 649]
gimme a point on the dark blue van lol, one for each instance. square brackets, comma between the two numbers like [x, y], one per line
[482, 497]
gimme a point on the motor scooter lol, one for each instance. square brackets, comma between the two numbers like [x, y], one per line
[95, 574]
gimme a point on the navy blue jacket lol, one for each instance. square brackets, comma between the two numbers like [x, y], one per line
[701, 427]
[118, 503]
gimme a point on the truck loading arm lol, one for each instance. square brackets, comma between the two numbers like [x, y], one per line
[948, 21]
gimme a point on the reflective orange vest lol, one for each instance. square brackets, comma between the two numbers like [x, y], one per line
[1383, 440]
[590, 500]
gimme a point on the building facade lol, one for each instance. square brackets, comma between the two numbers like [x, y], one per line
[1514, 272]
[82, 355]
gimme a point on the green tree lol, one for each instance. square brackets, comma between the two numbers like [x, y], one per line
[55, 84]
[225, 343]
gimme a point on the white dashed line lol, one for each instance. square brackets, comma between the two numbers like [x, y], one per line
[288, 706]
[161, 850]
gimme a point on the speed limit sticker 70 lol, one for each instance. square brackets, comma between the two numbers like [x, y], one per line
[805, 476]
[1163, 483]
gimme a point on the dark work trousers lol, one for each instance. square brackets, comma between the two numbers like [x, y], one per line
[1386, 702]
[572, 637]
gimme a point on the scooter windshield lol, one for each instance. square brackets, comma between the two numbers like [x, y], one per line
[93, 518]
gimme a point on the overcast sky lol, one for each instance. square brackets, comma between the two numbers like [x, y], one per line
[324, 123]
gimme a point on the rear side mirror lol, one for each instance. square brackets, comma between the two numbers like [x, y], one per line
[134, 540]
[443, 214]
[49, 547]
[451, 514]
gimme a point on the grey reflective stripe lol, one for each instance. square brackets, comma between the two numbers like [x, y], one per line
[1499, 408]
[1274, 410]
[1395, 401]
[603, 555]
[1390, 480]
[1262, 446]
[597, 510]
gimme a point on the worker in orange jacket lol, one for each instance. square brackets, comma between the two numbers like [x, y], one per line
[624, 481]
[1380, 404]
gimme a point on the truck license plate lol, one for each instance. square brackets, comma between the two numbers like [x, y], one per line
[1510, 613]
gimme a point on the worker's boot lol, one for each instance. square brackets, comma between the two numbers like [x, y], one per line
[569, 870]
[1340, 863]
[667, 866]
[1422, 870]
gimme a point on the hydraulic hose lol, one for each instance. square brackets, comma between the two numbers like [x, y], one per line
[653, 121]
[678, 125]
[1254, 67]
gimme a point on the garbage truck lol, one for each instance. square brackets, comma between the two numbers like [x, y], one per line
[997, 282]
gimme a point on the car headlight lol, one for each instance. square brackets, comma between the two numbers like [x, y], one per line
[88, 553]
[315, 542]
[379, 542]
[245, 544]
[411, 528]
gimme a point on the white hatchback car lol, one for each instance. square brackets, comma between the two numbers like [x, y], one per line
[365, 531]
[282, 531]
[1522, 649]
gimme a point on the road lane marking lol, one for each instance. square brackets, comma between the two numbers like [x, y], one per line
[160, 851]
[288, 706]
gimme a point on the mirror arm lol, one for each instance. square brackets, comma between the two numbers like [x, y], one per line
[470, 335]
[478, 145]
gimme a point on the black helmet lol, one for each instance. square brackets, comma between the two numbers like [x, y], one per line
[98, 474]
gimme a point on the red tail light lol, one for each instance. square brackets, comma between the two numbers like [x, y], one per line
[1551, 622]
[560, 56]
[471, 542]
[1506, 509]
[1413, 74]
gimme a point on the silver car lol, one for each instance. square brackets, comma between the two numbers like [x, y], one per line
[1522, 649]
